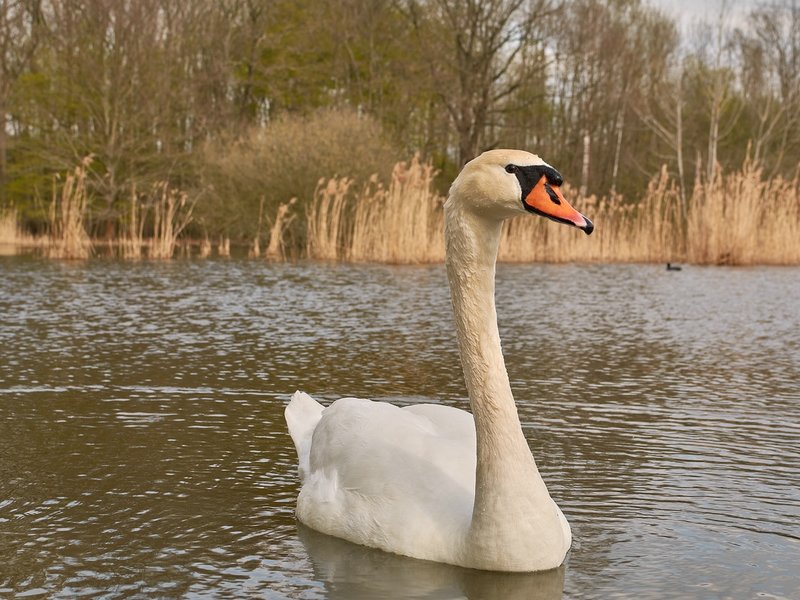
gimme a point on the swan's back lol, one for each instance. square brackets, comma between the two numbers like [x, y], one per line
[398, 479]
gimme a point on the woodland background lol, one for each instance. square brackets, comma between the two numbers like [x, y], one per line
[238, 106]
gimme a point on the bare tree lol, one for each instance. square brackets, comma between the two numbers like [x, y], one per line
[662, 112]
[713, 73]
[770, 57]
[471, 47]
[607, 57]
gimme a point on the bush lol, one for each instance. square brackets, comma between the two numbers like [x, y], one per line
[283, 160]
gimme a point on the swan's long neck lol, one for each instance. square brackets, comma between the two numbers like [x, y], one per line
[509, 491]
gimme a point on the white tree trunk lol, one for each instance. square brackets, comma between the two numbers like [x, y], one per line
[587, 146]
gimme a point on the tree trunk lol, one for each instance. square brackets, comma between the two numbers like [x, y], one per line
[617, 151]
[679, 145]
[3, 154]
[713, 142]
[587, 147]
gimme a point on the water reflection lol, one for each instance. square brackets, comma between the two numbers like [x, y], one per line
[143, 448]
[352, 572]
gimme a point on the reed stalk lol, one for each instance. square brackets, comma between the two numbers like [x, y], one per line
[133, 243]
[224, 247]
[67, 214]
[205, 247]
[255, 247]
[172, 212]
[13, 237]
[10, 233]
[326, 221]
[276, 249]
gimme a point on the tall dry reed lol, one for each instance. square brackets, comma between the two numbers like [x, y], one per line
[283, 218]
[326, 220]
[410, 200]
[205, 248]
[648, 231]
[738, 218]
[13, 237]
[741, 219]
[255, 247]
[10, 233]
[133, 241]
[224, 247]
[172, 212]
[67, 215]
[401, 223]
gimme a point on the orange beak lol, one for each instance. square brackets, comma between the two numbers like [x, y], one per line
[547, 200]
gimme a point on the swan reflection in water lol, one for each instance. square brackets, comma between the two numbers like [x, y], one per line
[352, 572]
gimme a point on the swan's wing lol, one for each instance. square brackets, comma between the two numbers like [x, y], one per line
[391, 478]
[370, 444]
[446, 420]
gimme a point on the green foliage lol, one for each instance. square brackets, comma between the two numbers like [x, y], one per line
[236, 101]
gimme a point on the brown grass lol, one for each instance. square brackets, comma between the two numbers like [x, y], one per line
[276, 249]
[738, 218]
[133, 242]
[12, 236]
[649, 231]
[401, 223]
[172, 212]
[409, 200]
[326, 221]
[9, 228]
[67, 214]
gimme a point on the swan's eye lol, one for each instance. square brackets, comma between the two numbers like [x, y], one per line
[511, 168]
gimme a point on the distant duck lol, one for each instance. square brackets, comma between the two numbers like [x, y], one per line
[671, 267]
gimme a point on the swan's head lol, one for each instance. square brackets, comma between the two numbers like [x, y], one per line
[505, 183]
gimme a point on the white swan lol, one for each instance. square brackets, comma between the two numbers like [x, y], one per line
[430, 481]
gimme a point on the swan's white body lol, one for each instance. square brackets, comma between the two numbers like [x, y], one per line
[431, 481]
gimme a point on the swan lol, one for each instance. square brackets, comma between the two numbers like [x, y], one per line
[431, 481]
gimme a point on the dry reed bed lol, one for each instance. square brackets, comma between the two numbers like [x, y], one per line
[738, 218]
[167, 210]
[11, 234]
[401, 223]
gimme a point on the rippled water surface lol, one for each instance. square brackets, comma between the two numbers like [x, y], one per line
[143, 450]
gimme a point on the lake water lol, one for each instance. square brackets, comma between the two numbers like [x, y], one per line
[143, 450]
